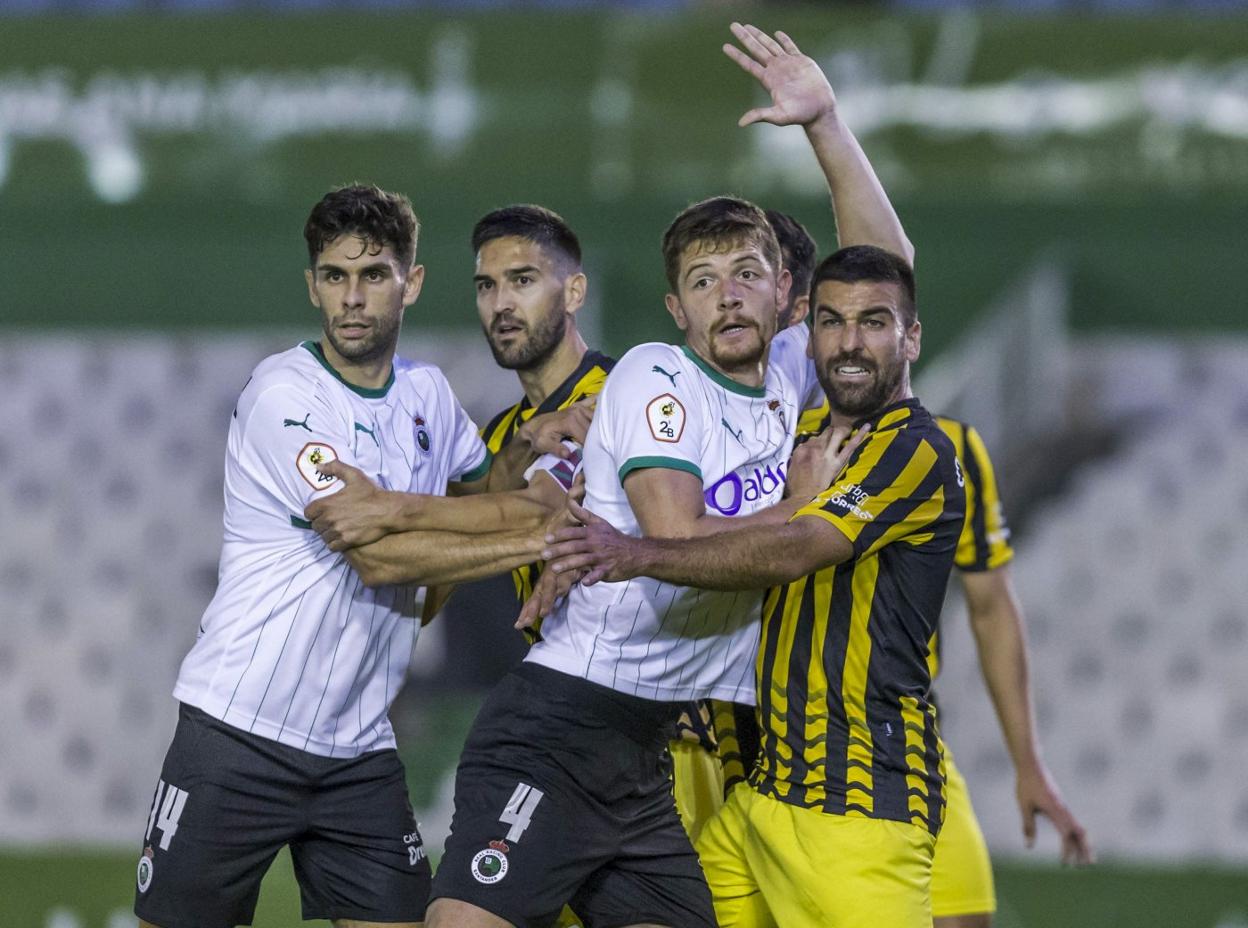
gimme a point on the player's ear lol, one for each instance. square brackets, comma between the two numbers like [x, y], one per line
[575, 286]
[784, 283]
[411, 287]
[310, 276]
[801, 309]
[914, 335]
[672, 301]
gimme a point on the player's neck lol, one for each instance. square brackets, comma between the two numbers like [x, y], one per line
[370, 375]
[543, 379]
[753, 374]
[843, 420]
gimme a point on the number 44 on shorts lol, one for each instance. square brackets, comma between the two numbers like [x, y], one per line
[519, 811]
[167, 806]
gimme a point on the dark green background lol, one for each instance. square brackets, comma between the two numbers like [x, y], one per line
[213, 240]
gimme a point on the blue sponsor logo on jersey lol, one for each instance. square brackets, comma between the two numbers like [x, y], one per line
[728, 494]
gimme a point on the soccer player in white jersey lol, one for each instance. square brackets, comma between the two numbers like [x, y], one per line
[283, 736]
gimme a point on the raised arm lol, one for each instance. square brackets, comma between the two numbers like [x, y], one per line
[997, 624]
[801, 95]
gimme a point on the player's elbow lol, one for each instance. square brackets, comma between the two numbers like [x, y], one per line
[373, 572]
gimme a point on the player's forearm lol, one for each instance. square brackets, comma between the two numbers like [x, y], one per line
[747, 559]
[708, 525]
[430, 558]
[864, 214]
[483, 513]
[509, 464]
[1002, 648]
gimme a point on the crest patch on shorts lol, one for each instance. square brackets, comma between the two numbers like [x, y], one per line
[489, 866]
[143, 876]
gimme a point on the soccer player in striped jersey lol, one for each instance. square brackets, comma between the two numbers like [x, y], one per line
[838, 824]
[283, 736]
[963, 895]
[530, 284]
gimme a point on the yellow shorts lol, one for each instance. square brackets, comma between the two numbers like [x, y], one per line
[770, 863]
[697, 783]
[961, 870]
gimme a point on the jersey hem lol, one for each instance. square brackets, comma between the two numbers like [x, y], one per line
[642, 689]
[293, 739]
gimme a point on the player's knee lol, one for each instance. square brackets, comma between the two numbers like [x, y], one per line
[454, 913]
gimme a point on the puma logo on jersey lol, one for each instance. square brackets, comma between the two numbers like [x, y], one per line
[735, 433]
[369, 432]
[287, 423]
[672, 377]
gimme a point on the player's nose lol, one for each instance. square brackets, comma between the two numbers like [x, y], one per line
[353, 296]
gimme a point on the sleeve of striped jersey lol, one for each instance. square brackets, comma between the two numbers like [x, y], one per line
[651, 415]
[892, 490]
[286, 431]
[788, 355]
[985, 541]
[470, 458]
[563, 471]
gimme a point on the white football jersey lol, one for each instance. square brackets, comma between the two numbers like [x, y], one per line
[788, 354]
[663, 406]
[293, 646]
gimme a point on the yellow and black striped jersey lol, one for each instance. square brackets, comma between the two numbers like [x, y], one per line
[813, 420]
[586, 380]
[842, 666]
[985, 540]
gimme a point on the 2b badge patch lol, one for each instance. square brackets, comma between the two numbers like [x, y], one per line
[312, 454]
[666, 418]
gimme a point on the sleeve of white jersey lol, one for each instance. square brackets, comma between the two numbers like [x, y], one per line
[788, 355]
[288, 431]
[470, 458]
[652, 412]
[562, 470]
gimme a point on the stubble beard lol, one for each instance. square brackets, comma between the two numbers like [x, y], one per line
[542, 339]
[383, 338]
[861, 401]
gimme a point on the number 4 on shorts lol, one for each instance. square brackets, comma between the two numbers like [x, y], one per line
[519, 811]
[165, 815]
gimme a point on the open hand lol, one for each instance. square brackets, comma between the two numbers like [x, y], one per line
[1038, 795]
[594, 549]
[546, 433]
[356, 515]
[800, 93]
[817, 463]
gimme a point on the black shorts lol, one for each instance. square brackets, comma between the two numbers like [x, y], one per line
[227, 802]
[563, 796]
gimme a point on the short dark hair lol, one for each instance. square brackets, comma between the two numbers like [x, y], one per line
[869, 263]
[377, 216]
[537, 224]
[797, 249]
[718, 221]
